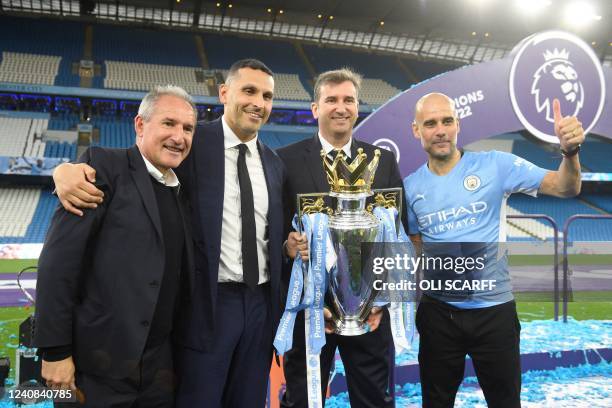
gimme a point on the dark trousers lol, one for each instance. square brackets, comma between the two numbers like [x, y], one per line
[366, 364]
[234, 372]
[490, 336]
[152, 385]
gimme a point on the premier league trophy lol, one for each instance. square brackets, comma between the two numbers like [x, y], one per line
[350, 287]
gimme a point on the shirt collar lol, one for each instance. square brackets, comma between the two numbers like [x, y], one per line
[231, 140]
[328, 147]
[169, 179]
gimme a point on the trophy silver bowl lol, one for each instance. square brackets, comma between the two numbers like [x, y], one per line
[351, 281]
[350, 290]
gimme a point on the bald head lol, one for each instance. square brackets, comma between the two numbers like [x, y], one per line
[434, 98]
[436, 125]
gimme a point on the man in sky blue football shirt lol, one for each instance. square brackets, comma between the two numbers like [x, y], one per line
[461, 197]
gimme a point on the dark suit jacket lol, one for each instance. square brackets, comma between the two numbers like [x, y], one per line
[95, 286]
[305, 173]
[203, 174]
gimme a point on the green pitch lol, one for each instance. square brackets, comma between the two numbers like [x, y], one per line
[10, 319]
[16, 265]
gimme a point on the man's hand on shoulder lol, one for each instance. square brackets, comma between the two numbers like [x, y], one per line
[74, 187]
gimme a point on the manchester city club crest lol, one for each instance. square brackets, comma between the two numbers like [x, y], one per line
[471, 182]
[555, 65]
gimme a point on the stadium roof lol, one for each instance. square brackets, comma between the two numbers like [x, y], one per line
[482, 23]
[504, 20]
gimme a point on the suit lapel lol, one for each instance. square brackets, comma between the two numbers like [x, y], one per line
[267, 168]
[210, 176]
[142, 179]
[354, 146]
[314, 164]
[188, 262]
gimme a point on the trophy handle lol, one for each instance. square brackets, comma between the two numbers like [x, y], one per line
[311, 203]
[388, 198]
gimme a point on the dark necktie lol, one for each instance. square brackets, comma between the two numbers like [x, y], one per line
[250, 268]
[331, 156]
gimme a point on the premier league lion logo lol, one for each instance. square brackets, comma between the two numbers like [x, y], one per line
[555, 65]
[557, 78]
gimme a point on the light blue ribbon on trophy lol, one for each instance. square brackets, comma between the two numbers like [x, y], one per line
[283, 341]
[401, 314]
[313, 316]
[315, 230]
[318, 275]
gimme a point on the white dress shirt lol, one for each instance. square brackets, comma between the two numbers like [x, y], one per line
[329, 148]
[169, 179]
[230, 266]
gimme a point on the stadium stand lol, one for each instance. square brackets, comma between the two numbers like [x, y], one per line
[535, 154]
[42, 38]
[368, 65]
[115, 132]
[290, 74]
[139, 59]
[277, 136]
[143, 77]
[26, 214]
[63, 122]
[502, 143]
[596, 155]
[289, 87]
[147, 46]
[21, 136]
[383, 77]
[280, 56]
[515, 233]
[376, 91]
[61, 149]
[601, 201]
[18, 207]
[561, 210]
[424, 70]
[526, 229]
[29, 68]
[34, 146]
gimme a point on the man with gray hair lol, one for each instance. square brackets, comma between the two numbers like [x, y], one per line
[233, 183]
[365, 357]
[109, 281]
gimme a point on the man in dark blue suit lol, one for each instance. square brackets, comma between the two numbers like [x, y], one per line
[227, 349]
[233, 183]
[365, 357]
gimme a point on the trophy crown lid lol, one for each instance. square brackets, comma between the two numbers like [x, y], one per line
[354, 178]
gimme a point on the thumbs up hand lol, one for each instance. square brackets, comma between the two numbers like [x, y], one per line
[568, 129]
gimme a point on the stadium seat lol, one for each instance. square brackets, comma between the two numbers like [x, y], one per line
[560, 210]
[18, 206]
[29, 68]
[376, 91]
[144, 77]
[22, 136]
